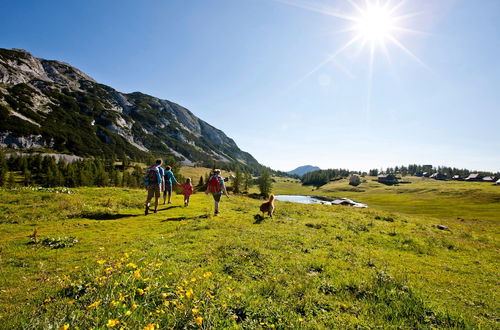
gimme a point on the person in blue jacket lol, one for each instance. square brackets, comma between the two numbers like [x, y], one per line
[169, 179]
[153, 183]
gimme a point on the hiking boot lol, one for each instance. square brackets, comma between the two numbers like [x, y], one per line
[156, 211]
[146, 211]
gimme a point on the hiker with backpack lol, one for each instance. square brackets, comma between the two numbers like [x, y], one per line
[169, 181]
[153, 183]
[216, 187]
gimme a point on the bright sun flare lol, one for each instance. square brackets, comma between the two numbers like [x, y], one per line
[375, 24]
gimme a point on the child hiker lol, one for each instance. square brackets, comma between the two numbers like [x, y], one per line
[187, 190]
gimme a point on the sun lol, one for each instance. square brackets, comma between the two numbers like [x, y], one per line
[376, 23]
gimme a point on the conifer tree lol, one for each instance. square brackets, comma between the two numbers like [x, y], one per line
[11, 181]
[27, 178]
[200, 183]
[265, 183]
[237, 180]
[247, 181]
[4, 169]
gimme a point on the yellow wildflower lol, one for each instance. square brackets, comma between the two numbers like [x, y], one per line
[46, 301]
[108, 270]
[166, 303]
[195, 310]
[101, 261]
[151, 326]
[137, 274]
[207, 274]
[163, 296]
[209, 295]
[134, 307]
[71, 302]
[199, 320]
[193, 279]
[140, 291]
[64, 327]
[116, 284]
[127, 313]
[112, 323]
[189, 293]
[94, 304]
[131, 265]
[114, 303]
[301, 319]
[87, 284]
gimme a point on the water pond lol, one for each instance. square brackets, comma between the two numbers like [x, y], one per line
[318, 200]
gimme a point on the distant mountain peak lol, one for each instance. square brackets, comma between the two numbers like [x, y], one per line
[301, 170]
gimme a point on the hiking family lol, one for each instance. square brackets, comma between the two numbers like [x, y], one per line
[158, 180]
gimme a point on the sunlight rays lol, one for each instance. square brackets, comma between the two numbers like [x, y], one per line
[375, 24]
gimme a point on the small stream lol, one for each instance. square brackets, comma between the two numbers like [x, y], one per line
[315, 200]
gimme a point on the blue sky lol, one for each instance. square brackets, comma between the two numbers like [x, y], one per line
[242, 65]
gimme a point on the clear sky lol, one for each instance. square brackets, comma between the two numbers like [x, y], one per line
[252, 68]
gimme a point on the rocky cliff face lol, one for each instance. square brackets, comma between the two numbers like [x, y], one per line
[54, 105]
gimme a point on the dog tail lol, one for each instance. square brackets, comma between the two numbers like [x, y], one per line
[271, 198]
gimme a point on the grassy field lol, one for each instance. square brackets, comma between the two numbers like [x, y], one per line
[98, 262]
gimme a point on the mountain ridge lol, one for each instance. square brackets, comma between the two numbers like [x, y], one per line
[301, 170]
[51, 104]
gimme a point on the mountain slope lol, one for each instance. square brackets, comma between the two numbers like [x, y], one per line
[52, 105]
[301, 170]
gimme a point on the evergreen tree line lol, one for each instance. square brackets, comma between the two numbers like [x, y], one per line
[46, 171]
[322, 177]
[419, 170]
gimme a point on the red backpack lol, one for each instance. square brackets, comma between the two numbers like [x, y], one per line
[214, 184]
[152, 175]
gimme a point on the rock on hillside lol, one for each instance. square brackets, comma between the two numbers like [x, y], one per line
[52, 105]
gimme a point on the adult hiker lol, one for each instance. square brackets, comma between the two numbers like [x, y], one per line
[169, 181]
[216, 187]
[153, 184]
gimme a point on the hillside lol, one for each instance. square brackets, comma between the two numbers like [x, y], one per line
[51, 105]
[96, 260]
[301, 170]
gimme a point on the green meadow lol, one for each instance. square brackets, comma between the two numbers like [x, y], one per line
[91, 259]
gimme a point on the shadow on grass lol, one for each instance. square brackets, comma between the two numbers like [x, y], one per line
[104, 216]
[258, 219]
[204, 216]
[169, 207]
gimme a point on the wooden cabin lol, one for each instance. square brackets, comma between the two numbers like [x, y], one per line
[474, 177]
[439, 176]
[387, 179]
[491, 179]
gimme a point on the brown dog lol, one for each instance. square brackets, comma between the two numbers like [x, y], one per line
[268, 206]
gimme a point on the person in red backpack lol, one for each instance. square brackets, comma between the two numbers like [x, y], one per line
[153, 184]
[187, 190]
[216, 187]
